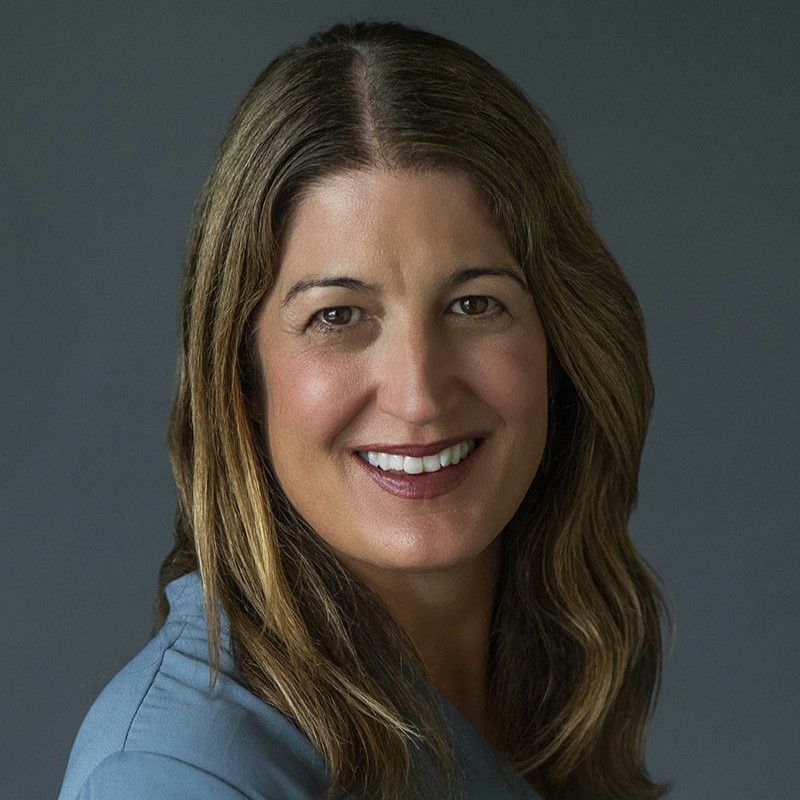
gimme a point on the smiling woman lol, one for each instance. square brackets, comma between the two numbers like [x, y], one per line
[412, 401]
[419, 367]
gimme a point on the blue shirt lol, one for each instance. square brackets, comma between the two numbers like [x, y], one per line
[154, 732]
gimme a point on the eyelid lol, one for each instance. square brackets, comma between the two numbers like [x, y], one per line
[315, 322]
[314, 319]
[497, 305]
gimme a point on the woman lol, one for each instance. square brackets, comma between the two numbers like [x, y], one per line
[412, 401]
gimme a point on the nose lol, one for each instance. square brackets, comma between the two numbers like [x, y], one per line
[415, 371]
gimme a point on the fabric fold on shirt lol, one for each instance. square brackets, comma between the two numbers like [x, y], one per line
[155, 724]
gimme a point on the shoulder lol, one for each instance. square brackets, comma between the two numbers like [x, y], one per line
[156, 724]
[132, 775]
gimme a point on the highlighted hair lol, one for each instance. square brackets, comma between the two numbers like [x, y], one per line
[576, 645]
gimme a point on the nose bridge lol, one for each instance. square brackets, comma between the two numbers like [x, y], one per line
[415, 371]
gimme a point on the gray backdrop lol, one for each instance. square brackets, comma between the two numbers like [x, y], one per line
[680, 118]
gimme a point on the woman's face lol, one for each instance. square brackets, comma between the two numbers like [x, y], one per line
[383, 331]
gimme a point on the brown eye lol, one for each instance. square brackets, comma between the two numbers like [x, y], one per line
[477, 306]
[334, 319]
[473, 305]
[337, 314]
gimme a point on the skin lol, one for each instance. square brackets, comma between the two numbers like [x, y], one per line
[406, 364]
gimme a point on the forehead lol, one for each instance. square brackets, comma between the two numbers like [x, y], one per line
[355, 192]
[412, 217]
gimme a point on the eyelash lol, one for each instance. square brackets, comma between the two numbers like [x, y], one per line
[322, 327]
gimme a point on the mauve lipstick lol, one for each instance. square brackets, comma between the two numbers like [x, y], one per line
[426, 485]
[419, 450]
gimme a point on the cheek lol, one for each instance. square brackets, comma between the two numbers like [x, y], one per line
[306, 400]
[512, 375]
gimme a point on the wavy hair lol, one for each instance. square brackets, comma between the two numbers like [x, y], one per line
[575, 651]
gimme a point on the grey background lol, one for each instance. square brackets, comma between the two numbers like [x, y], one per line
[680, 119]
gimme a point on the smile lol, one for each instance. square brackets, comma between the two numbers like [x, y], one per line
[449, 456]
[411, 480]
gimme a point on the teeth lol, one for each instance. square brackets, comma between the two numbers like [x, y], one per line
[431, 463]
[414, 466]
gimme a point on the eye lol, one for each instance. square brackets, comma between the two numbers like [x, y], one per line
[333, 319]
[476, 306]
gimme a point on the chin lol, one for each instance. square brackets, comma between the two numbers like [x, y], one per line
[422, 557]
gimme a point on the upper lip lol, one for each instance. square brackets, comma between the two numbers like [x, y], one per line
[418, 450]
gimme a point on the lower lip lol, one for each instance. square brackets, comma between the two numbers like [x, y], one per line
[426, 485]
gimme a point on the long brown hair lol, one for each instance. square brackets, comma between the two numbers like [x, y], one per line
[576, 646]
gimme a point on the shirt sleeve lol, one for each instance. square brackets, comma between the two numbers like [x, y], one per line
[137, 775]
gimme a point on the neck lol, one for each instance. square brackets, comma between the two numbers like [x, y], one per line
[447, 614]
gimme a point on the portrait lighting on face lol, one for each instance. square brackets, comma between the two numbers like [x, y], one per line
[406, 400]
[412, 396]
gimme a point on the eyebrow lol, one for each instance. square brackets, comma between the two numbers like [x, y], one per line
[460, 276]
